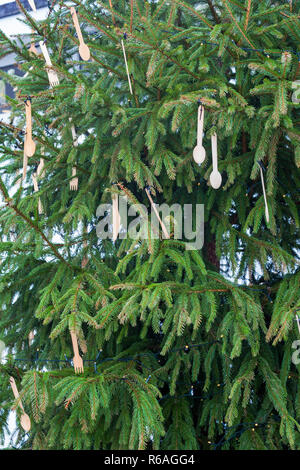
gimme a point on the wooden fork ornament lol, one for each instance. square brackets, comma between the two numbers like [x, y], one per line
[25, 420]
[77, 359]
[32, 4]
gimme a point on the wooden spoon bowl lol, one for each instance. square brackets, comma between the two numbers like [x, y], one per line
[25, 422]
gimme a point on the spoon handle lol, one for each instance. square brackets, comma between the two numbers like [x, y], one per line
[214, 150]
[15, 392]
[265, 196]
[77, 25]
[200, 125]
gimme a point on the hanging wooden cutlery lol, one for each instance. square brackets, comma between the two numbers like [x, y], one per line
[25, 420]
[77, 359]
[36, 189]
[126, 64]
[115, 216]
[29, 145]
[199, 151]
[215, 177]
[264, 192]
[163, 227]
[74, 180]
[32, 4]
[52, 75]
[84, 50]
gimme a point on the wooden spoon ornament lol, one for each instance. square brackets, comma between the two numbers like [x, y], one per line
[126, 64]
[29, 145]
[199, 151]
[84, 50]
[215, 177]
[25, 420]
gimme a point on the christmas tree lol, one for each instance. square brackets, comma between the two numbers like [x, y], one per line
[173, 348]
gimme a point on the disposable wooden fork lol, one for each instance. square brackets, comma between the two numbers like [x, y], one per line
[74, 180]
[36, 189]
[77, 359]
[163, 227]
[52, 75]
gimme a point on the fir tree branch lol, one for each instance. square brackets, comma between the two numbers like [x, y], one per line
[10, 204]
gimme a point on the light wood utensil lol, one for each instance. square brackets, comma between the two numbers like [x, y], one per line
[215, 177]
[30, 338]
[163, 227]
[126, 65]
[199, 151]
[74, 180]
[25, 164]
[25, 420]
[84, 50]
[32, 4]
[115, 216]
[52, 75]
[29, 145]
[32, 47]
[36, 190]
[77, 359]
[265, 196]
[40, 169]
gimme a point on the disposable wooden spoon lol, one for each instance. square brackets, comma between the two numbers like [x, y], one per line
[199, 151]
[25, 420]
[215, 177]
[29, 145]
[265, 196]
[84, 50]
